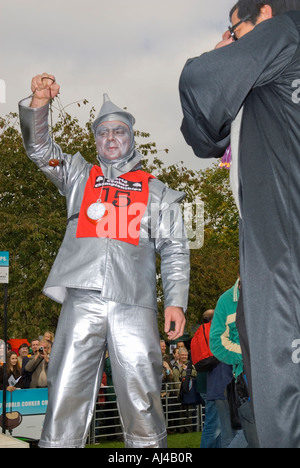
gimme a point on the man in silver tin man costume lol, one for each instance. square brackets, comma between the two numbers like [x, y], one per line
[106, 281]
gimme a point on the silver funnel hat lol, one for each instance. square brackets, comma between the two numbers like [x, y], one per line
[110, 112]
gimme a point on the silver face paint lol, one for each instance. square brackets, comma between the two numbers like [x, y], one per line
[113, 140]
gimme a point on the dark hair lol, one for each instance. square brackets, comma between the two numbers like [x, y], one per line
[251, 8]
[23, 345]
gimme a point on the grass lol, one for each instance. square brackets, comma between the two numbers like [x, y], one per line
[185, 441]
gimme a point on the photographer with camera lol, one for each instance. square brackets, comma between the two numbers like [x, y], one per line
[38, 365]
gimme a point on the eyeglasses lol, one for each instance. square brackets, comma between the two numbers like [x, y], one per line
[232, 29]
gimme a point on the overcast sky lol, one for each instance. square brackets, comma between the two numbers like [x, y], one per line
[133, 50]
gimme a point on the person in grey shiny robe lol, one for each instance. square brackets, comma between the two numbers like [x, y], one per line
[107, 286]
[247, 92]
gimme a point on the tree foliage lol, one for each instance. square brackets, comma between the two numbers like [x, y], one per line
[33, 222]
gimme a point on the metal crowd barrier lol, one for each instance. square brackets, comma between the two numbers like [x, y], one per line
[179, 419]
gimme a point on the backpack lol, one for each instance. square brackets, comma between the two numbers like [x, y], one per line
[202, 358]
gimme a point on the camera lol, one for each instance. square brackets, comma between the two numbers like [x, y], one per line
[41, 350]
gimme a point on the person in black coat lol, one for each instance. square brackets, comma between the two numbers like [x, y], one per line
[246, 93]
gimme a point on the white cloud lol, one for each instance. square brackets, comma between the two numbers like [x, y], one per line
[132, 50]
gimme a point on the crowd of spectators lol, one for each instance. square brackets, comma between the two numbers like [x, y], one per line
[27, 366]
[28, 363]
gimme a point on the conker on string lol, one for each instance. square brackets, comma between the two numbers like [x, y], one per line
[54, 162]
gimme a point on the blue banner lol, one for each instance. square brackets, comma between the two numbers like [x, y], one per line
[27, 402]
[4, 259]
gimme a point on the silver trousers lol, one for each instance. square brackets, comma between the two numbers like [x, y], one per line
[88, 326]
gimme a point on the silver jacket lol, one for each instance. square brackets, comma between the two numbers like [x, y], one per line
[124, 273]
